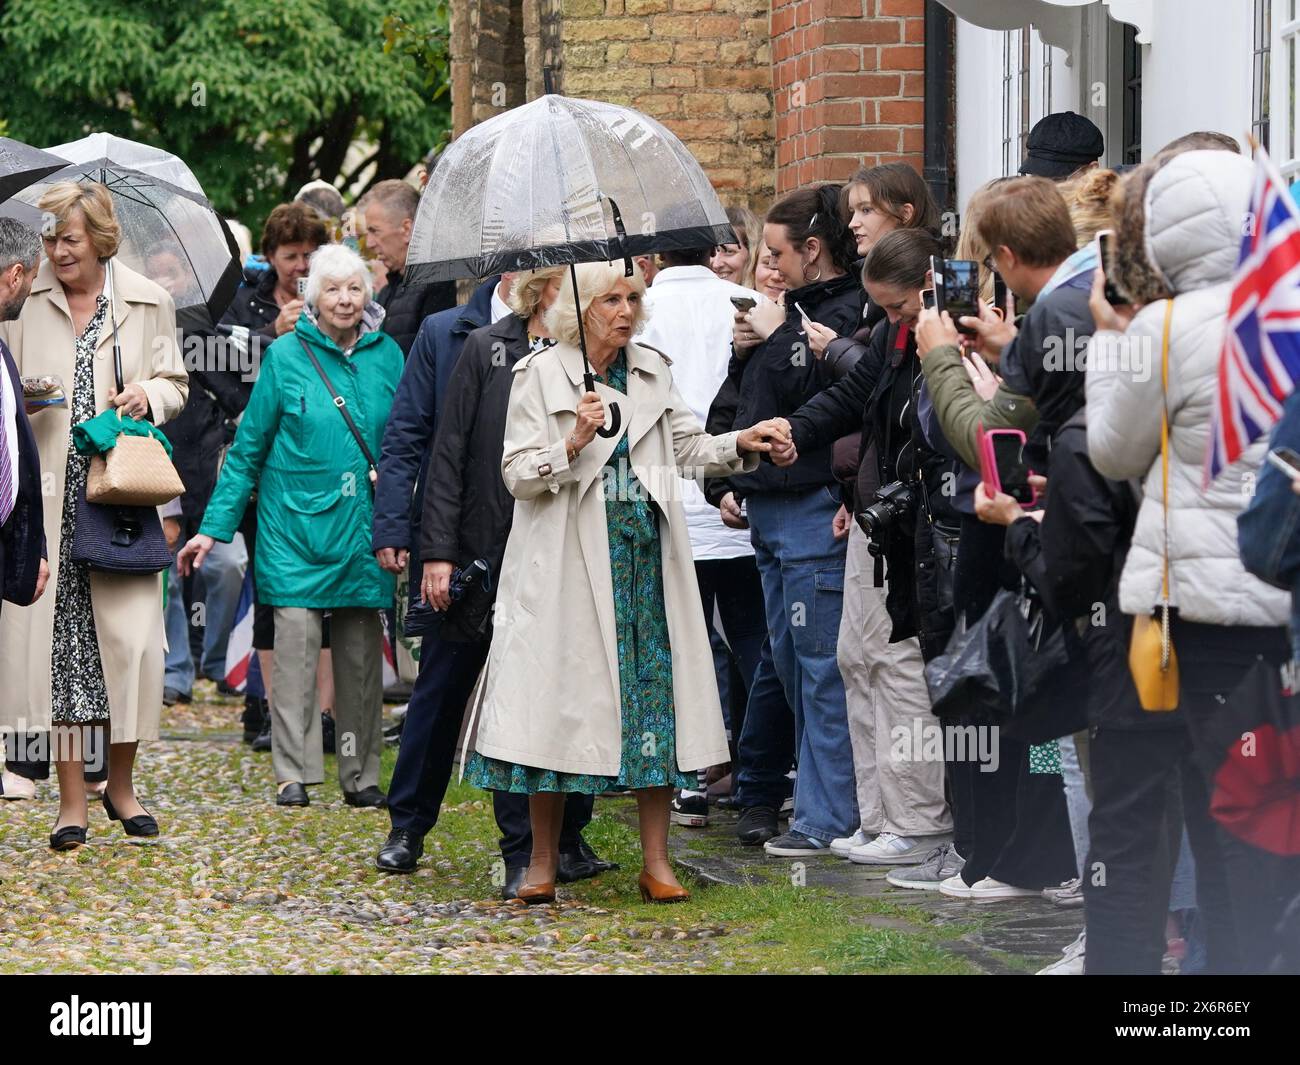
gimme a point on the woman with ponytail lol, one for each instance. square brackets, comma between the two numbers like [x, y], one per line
[789, 510]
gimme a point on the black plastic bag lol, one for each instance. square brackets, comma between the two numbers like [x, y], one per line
[1011, 668]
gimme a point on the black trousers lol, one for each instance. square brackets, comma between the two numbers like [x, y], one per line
[433, 719]
[1134, 829]
[1241, 890]
[734, 587]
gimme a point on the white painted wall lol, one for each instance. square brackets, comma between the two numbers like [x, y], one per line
[1196, 74]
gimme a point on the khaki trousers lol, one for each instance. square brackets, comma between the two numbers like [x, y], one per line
[355, 640]
[885, 690]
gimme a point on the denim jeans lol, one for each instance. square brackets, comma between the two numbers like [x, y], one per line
[178, 666]
[222, 576]
[765, 747]
[802, 569]
[1077, 803]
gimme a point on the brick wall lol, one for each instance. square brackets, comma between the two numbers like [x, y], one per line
[701, 67]
[848, 77]
[488, 57]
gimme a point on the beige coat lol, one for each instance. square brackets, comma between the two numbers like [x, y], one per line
[128, 610]
[550, 695]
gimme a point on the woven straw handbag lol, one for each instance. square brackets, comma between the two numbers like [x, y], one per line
[135, 473]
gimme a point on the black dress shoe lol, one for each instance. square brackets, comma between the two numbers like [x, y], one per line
[514, 881]
[573, 866]
[140, 825]
[263, 741]
[254, 718]
[400, 852]
[68, 837]
[600, 865]
[370, 796]
[293, 795]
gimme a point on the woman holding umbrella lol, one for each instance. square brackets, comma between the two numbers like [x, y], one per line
[600, 675]
[91, 652]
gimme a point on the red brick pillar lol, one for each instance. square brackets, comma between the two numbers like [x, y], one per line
[848, 78]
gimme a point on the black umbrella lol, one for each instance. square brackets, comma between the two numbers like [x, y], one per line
[170, 232]
[548, 184]
[22, 165]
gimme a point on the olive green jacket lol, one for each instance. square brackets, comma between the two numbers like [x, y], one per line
[961, 412]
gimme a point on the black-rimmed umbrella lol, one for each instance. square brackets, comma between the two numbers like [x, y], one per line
[551, 183]
[170, 232]
[22, 165]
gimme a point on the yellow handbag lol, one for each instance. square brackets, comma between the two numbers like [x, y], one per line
[1151, 657]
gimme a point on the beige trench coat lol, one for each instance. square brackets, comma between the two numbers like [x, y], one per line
[550, 694]
[128, 610]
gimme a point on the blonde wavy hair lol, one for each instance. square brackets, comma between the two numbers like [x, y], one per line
[527, 287]
[96, 205]
[970, 245]
[1088, 196]
[594, 281]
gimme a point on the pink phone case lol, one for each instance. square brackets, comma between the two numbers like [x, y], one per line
[989, 463]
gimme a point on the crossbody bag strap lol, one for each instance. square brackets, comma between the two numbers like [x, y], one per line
[341, 403]
[1165, 643]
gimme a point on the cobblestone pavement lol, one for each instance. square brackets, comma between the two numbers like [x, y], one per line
[235, 884]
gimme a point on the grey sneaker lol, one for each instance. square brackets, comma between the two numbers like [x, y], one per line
[940, 864]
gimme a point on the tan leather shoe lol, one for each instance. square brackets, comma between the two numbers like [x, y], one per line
[653, 890]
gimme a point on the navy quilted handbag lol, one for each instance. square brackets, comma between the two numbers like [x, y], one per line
[115, 539]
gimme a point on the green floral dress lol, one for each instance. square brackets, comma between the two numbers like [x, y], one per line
[645, 664]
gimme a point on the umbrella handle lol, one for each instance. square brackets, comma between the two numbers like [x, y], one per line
[615, 415]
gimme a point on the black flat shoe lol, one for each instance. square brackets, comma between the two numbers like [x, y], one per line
[370, 796]
[400, 852]
[293, 795]
[68, 837]
[140, 825]
[572, 866]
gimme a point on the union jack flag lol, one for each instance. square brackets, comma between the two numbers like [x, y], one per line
[1260, 361]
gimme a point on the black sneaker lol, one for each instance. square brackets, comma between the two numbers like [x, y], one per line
[690, 809]
[326, 733]
[756, 825]
[796, 845]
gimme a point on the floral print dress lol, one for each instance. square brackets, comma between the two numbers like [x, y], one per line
[645, 663]
[78, 692]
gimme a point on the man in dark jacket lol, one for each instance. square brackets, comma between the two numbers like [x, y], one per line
[464, 515]
[24, 569]
[389, 209]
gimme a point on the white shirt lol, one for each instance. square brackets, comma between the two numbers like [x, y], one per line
[690, 321]
[499, 306]
[9, 436]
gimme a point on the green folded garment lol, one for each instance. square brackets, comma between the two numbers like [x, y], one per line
[97, 435]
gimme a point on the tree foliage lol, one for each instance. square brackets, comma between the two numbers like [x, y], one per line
[257, 96]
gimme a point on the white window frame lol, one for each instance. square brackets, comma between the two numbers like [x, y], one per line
[1284, 61]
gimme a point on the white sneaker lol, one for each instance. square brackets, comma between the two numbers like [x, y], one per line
[12, 786]
[954, 887]
[1071, 961]
[889, 848]
[841, 847]
[990, 890]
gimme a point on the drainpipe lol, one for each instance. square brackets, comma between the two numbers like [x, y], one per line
[938, 169]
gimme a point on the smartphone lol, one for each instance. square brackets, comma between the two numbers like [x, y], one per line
[1286, 460]
[802, 313]
[961, 290]
[1105, 245]
[927, 298]
[302, 288]
[744, 303]
[1002, 464]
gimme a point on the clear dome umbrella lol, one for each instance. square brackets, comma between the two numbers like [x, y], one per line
[560, 181]
[170, 232]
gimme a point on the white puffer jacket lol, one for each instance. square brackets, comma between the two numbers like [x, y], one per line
[1195, 207]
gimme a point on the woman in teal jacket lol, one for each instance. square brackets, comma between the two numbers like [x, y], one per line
[296, 450]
